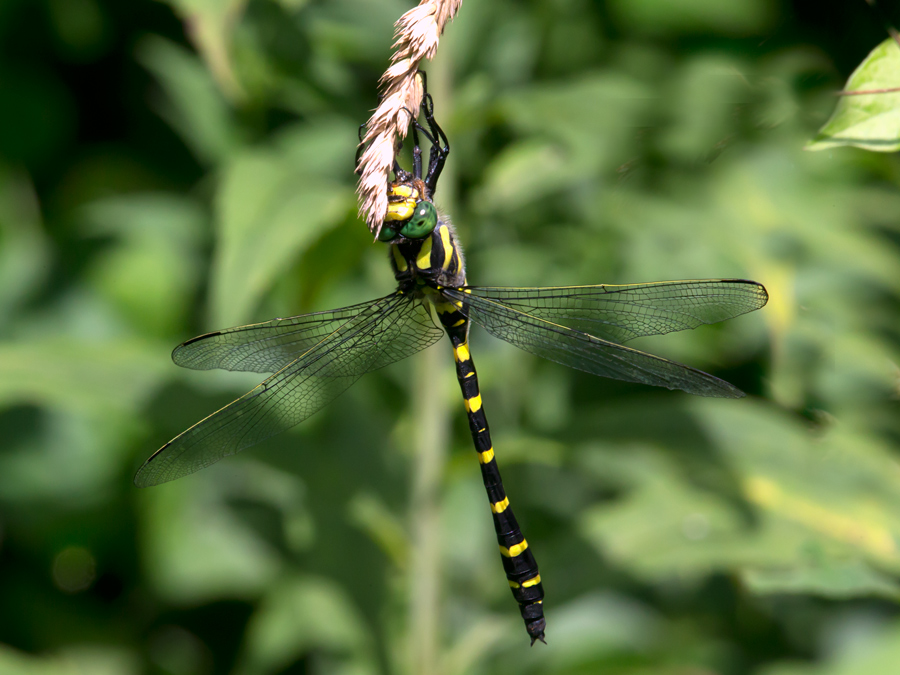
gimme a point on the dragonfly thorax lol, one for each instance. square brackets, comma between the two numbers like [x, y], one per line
[436, 260]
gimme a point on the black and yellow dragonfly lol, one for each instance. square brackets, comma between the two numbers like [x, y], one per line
[315, 357]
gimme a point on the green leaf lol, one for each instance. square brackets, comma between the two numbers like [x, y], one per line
[304, 614]
[736, 18]
[24, 250]
[73, 661]
[212, 24]
[193, 106]
[273, 204]
[372, 516]
[868, 121]
[873, 652]
[96, 376]
[197, 549]
[830, 578]
[153, 268]
[826, 512]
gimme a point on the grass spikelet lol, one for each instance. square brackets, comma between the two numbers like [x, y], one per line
[417, 34]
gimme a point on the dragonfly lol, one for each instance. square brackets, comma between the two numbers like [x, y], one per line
[315, 357]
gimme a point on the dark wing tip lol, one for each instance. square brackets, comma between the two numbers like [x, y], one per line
[181, 353]
[149, 473]
[761, 293]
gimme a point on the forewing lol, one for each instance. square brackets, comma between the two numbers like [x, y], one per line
[621, 313]
[586, 352]
[264, 347]
[382, 332]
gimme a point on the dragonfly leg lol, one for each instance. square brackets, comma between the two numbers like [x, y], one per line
[440, 145]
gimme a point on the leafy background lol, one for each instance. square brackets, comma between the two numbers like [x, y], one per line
[171, 168]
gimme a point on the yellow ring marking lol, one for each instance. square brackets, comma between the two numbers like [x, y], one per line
[473, 404]
[513, 584]
[472, 374]
[486, 456]
[534, 581]
[444, 307]
[461, 352]
[500, 507]
[514, 550]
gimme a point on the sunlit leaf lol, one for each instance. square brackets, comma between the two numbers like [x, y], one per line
[816, 527]
[868, 121]
[830, 578]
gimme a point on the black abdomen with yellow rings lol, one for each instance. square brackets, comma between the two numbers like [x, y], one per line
[427, 268]
[518, 561]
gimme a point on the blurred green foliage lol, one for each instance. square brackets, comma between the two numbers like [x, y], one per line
[171, 168]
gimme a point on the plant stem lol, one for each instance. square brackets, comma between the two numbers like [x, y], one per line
[431, 415]
[430, 437]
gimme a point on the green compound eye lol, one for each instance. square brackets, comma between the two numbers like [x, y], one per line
[387, 233]
[422, 223]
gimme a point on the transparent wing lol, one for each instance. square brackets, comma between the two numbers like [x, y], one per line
[621, 313]
[577, 349]
[263, 347]
[384, 331]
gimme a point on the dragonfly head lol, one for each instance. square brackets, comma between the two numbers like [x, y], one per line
[410, 215]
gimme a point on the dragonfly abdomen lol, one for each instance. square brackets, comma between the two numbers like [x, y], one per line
[518, 562]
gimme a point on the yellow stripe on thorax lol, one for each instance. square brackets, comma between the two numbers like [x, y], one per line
[423, 261]
[514, 550]
[448, 247]
[398, 258]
